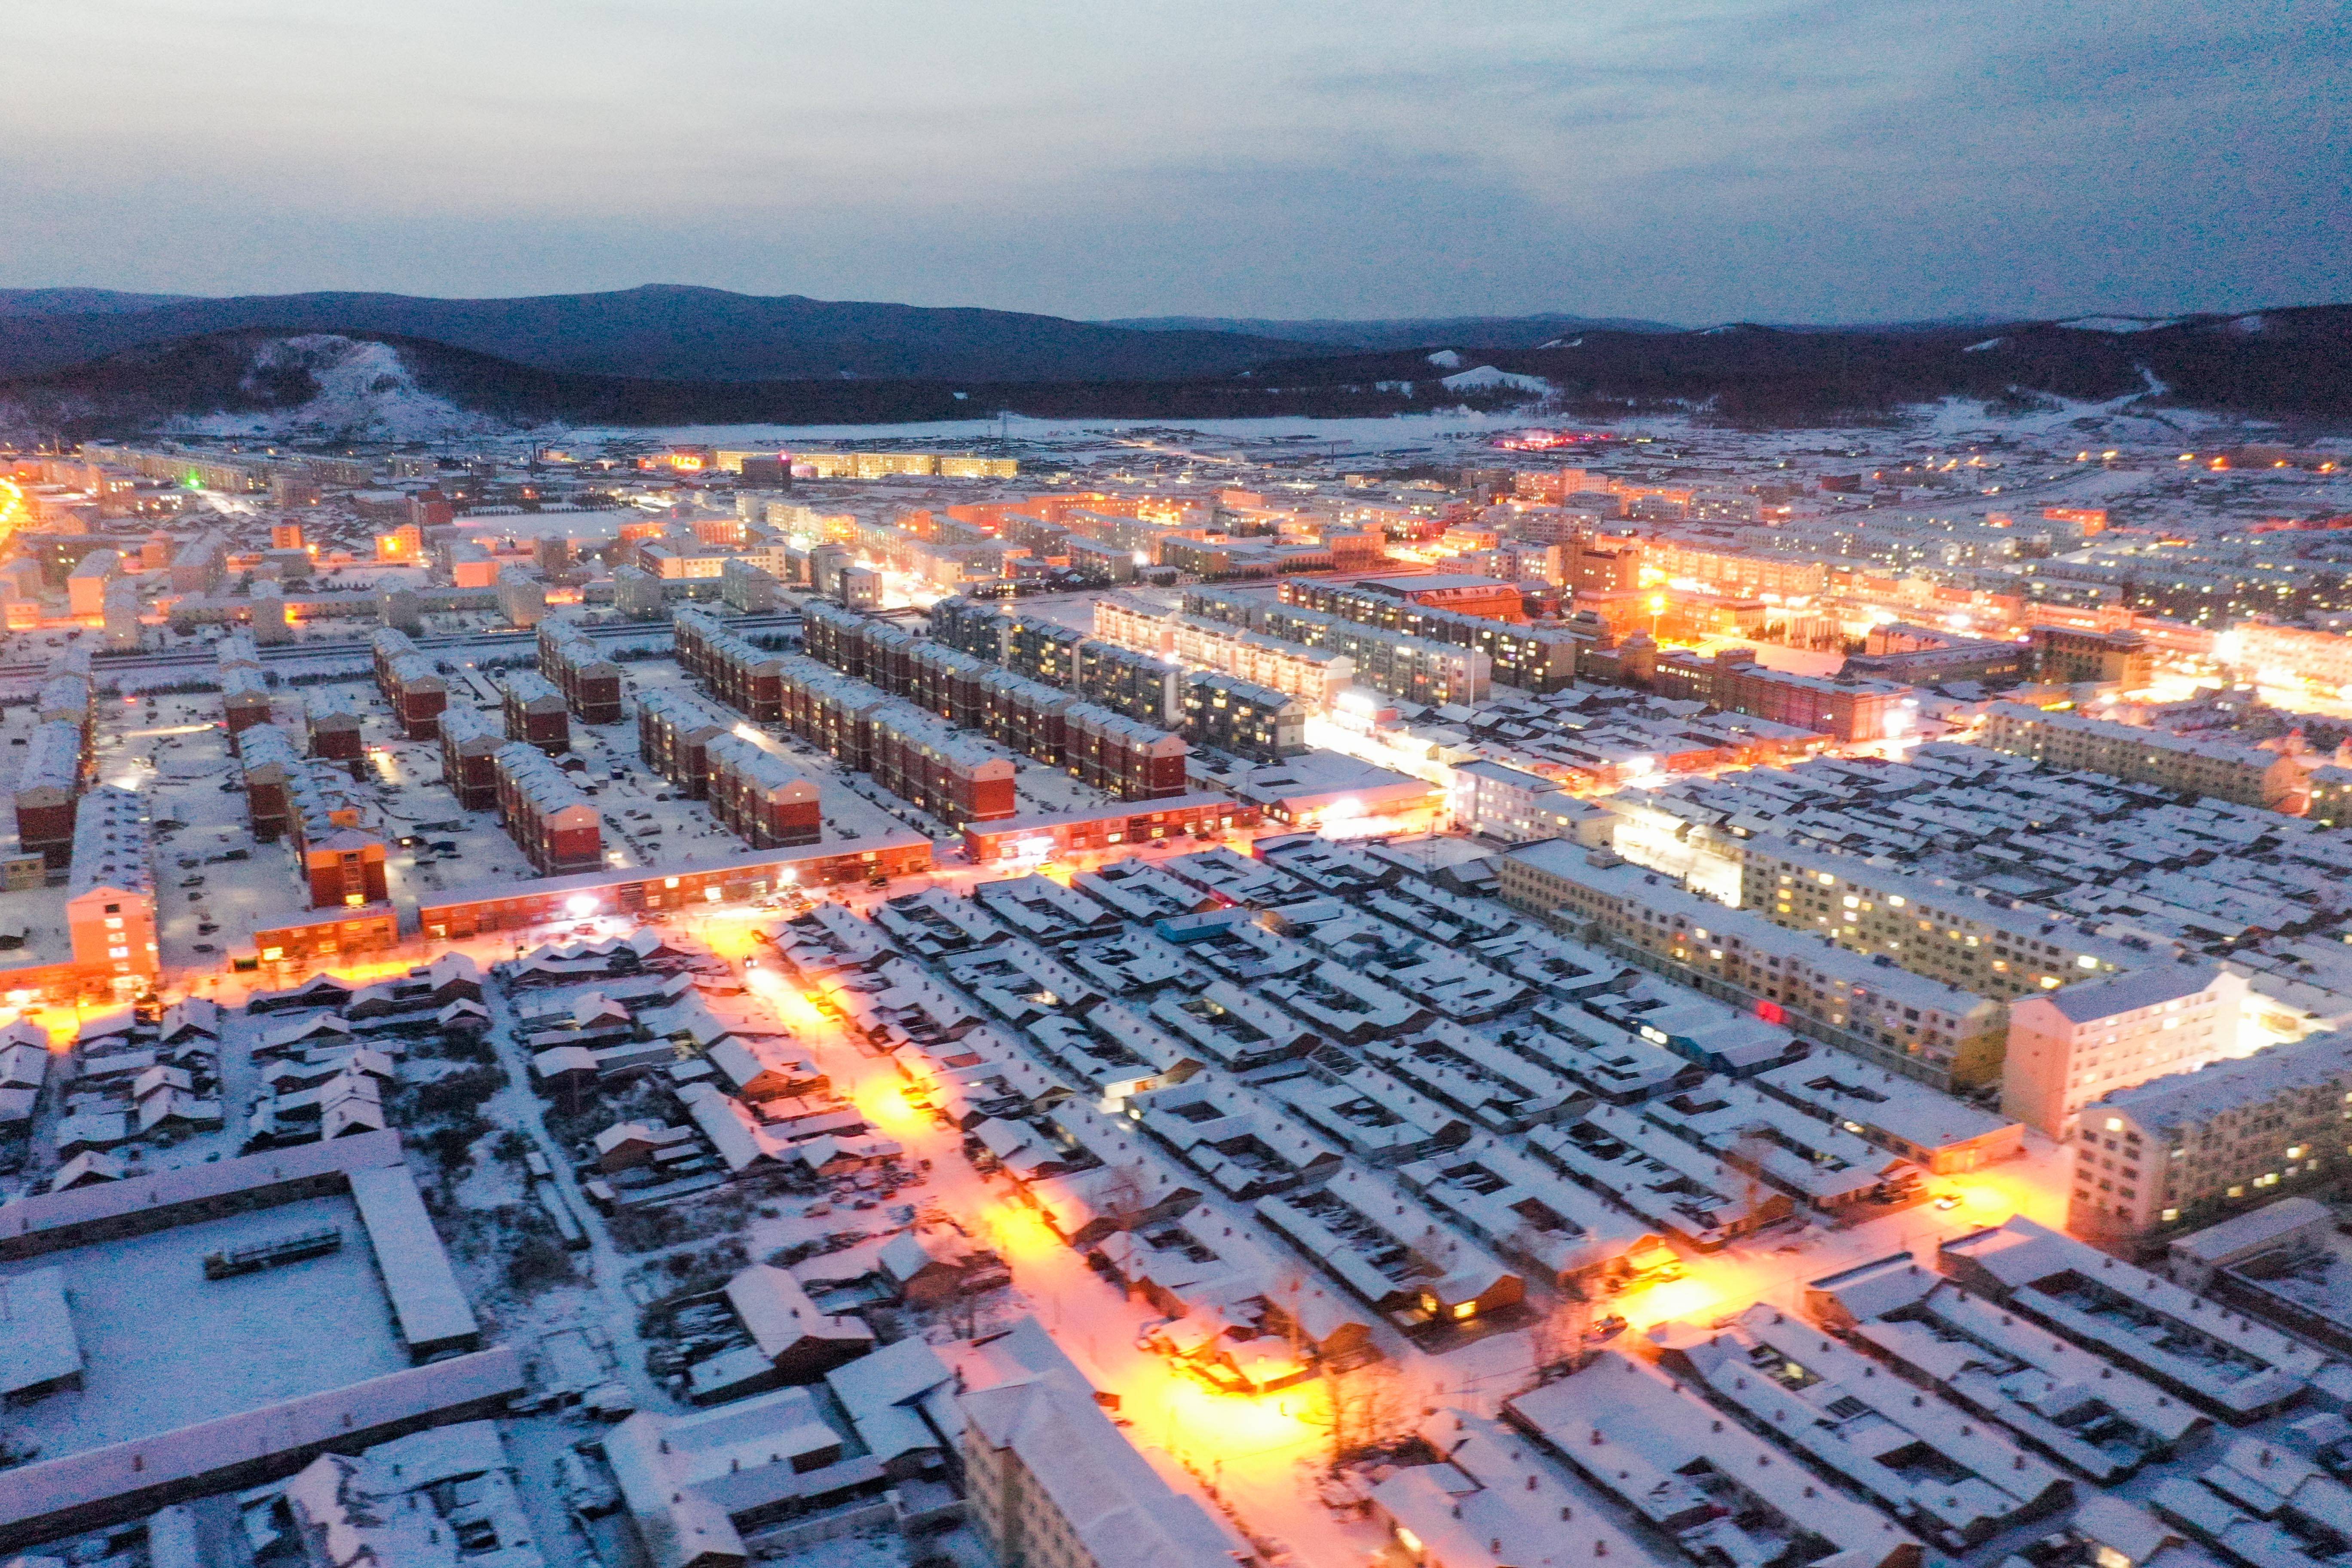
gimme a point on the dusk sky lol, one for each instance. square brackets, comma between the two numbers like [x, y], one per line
[1681, 160]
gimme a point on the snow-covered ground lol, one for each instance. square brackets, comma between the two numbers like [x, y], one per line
[163, 1347]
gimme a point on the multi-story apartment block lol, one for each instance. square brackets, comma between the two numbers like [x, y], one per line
[534, 711]
[675, 729]
[744, 678]
[470, 742]
[2178, 1153]
[1042, 650]
[955, 776]
[2064, 655]
[2280, 655]
[1928, 927]
[1122, 756]
[1315, 675]
[410, 683]
[948, 683]
[591, 683]
[1500, 802]
[1054, 1484]
[1842, 708]
[546, 816]
[1735, 570]
[2329, 800]
[48, 787]
[1122, 753]
[341, 857]
[760, 797]
[2244, 775]
[1128, 680]
[1403, 665]
[1467, 611]
[1923, 1028]
[2070, 1047]
[270, 764]
[971, 626]
[1133, 624]
[1239, 716]
[110, 904]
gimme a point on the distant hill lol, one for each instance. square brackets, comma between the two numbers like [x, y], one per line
[80, 301]
[2294, 363]
[669, 332]
[381, 386]
[1403, 332]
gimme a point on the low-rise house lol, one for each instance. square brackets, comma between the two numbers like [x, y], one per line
[1699, 1477]
[694, 1483]
[1815, 1162]
[1231, 1028]
[1707, 1202]
[1488, 1502]
[1233, 1137]
[1366, 1111]
[1140, 892]
[1498, 1089]
[2228, 1366]
[1395, 1254]
[433, 1500]
[1955, 1479]
[1936, 1131]
[1045, 912]
[1557, 1230]
[2097, 1418]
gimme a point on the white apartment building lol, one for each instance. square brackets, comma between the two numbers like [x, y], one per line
[2185, 1151]
[2069, 1047]
[1500, 802]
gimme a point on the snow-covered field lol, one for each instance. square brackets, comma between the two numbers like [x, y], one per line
[163, 1347]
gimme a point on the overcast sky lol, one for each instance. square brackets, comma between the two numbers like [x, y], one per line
[1682, 160]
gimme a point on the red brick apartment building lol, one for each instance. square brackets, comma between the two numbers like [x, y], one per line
[675, 729]
[572, 661]
[1844, 710]
[535, 712]
[410, 683]
[469, 746]
[953, 774]
[546, 816]
[1095, 744]
[761, 799]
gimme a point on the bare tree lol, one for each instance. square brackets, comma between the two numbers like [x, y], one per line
[1556, 1340]
[1364, 1408]
[1122, 1200]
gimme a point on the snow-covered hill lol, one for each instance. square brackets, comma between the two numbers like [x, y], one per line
[365, 392]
